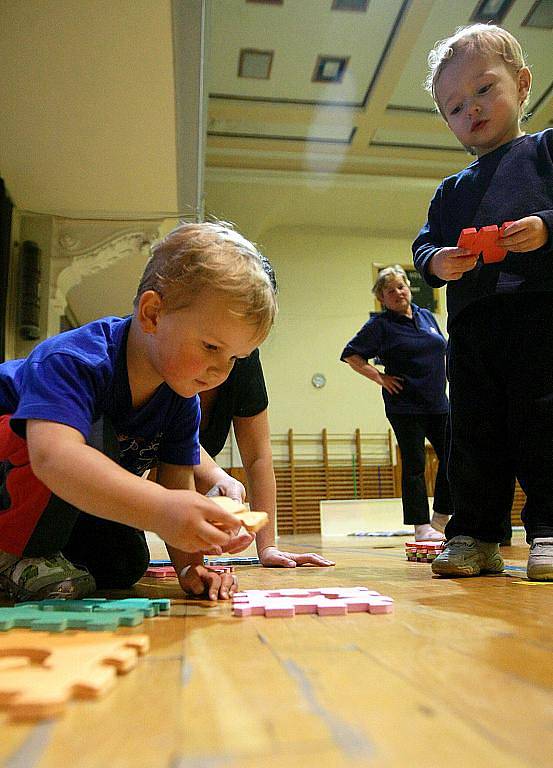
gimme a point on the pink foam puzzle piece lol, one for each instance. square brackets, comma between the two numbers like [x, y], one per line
[161, 572]
[288, 593]
[381, 604]
[345, 592]
[331, 607]
[279, 607]
[306, 604]
[357, 604]
[325, 601]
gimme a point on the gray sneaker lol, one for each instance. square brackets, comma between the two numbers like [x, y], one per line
[41, 578]
[540, 560]
[465, 556]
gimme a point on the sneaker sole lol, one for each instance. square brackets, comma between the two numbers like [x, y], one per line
[447, 569]
[71, 589]
[537, 574]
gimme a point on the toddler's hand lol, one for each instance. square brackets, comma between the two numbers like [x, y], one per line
[525, 235]
[230, 487]
[452, 263]
[239, 542]
[197, 580]
[194, 523]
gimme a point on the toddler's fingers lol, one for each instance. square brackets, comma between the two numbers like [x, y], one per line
[213, 536]
[193, 582]
[221, 518]
[228, 586]
[213, 581]
[240, 542]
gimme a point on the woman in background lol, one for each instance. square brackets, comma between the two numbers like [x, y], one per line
[408, 341]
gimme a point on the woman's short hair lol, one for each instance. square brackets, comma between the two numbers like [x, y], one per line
[212, 256]
[476, 38]
[384, 277]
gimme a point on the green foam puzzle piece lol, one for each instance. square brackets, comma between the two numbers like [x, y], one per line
[95, 615]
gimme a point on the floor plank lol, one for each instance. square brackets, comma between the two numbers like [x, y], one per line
[458, 675]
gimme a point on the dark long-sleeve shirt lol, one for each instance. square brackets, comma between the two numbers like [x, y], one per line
[513, 181]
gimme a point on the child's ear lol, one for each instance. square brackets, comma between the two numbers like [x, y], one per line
[524, 82]
[148, 311]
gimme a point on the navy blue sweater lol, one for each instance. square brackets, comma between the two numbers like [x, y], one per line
[513, 181]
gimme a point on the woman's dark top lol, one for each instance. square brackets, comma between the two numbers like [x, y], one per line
[243, 394]
[410, 348]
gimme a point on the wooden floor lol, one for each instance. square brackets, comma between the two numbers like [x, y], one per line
[460, 675]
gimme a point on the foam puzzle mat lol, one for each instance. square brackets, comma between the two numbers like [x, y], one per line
[95, 615]
[323, 601]
[40, 673]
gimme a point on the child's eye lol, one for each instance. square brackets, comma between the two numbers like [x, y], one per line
[456, 110]
[484, 89]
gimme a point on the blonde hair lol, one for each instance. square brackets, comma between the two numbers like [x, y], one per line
[384, 277]
[212, 256]
[480, 39]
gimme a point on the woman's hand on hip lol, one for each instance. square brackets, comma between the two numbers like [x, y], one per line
[392, 384]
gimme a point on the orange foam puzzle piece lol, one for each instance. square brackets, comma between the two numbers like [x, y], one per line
[41, 672]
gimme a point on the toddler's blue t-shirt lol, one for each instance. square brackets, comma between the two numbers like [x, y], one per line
[80, 375]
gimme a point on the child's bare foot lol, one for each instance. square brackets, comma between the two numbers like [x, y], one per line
[427, 533]
[439, 521]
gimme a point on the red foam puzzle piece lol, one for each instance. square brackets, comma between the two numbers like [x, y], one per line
[467, 239]
[484, 241]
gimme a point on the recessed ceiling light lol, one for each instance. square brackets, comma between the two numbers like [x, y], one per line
[491, 10]
[330, 69]
[255, 64]
[350, 5]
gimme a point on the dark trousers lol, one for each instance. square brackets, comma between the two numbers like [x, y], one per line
[500, 363]
[410, 431]
[35, 523]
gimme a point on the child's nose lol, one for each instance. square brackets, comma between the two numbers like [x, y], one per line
[220, 368]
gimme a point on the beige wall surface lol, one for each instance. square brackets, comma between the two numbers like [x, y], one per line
[88, 115]
[325, 277]
[322, 234]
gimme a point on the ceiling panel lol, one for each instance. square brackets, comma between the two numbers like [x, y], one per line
[298, 32]
[379, 119]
